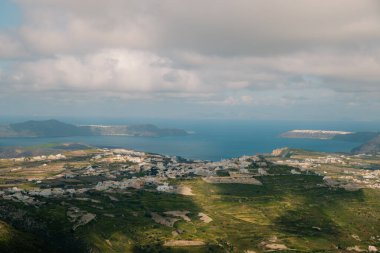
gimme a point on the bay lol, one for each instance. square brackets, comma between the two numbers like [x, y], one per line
[213, 139]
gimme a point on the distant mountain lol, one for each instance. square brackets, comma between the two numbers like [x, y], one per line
[48, 128]
[55, 128]
[370, 147]
[147, 130]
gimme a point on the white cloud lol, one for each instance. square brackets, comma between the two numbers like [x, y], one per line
[114, 70]
[224, 27]
[239, 100]
[243, 53]
[10, 47]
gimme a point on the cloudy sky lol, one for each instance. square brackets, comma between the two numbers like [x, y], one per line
[244, 59]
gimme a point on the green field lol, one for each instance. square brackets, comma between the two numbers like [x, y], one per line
[292, 210]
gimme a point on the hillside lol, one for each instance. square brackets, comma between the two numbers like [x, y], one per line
[117, 200]
[370, 147]
[15, 241]
[40, 150]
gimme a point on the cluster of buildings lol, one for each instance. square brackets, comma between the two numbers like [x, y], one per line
[120, 169]
[349, 172]
[116, 170]
[39, 158]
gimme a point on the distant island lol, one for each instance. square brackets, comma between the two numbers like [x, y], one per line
[331, 135]
[55, 128]
[313, 134]
[370, 140]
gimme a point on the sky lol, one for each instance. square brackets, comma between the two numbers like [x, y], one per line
[193, 59]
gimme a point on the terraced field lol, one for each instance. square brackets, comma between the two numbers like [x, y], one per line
[289, 212]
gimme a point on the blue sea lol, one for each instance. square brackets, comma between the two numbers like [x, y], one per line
[212, 139]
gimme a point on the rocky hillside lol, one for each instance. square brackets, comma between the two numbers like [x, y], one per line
[370, 147]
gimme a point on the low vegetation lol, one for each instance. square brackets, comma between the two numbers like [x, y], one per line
[287, 212]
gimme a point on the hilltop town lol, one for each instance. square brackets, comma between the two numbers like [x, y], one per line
[114, 169]
[87, 187]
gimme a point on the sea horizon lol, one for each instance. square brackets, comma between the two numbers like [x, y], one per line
[212, 140]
